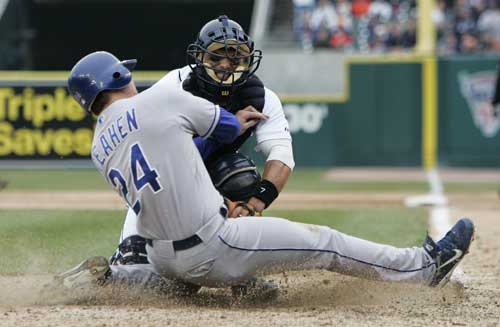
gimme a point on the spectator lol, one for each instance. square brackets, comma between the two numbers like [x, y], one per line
[324, 21]
[341, 39]
[447, 44]
[439, 14]
[360, 7]
[465, 23]
[380, 9]
[409, 37]
[395, 36]
[301, 22]
[469, 42]
[468, 26]
[344, 13]
[489, 26]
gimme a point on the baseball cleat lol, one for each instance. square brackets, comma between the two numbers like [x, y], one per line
[91, 272]
[450, 250]
[256, 289]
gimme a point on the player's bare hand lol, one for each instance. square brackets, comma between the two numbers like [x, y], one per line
[249, 117]
[241, 209]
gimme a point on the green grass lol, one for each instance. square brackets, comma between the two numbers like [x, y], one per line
[35, 241]
[395, 226]
[302, 180]
[54, 180]
[312, 180]
[41, 241]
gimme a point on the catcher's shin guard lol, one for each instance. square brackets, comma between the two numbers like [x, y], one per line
[131, 251]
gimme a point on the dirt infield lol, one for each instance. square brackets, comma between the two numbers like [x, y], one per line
[307, 299]
[296, 200]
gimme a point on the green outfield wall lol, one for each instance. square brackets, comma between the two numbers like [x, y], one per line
[379, 121]
[379, 124]
[468, 130]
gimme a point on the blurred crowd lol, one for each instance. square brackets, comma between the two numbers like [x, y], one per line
[463, 26]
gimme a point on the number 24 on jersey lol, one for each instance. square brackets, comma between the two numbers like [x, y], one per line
[140, 180]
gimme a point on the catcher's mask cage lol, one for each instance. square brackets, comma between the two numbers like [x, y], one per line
[218, 39]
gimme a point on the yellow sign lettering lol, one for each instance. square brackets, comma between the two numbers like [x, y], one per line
[5, 93]
[24, 143]
[43, 141]
[38, 108]
[43, 110]
[63, 142]
[83, 141]
[5, 138]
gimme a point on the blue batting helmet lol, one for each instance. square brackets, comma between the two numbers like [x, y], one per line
[98, 72]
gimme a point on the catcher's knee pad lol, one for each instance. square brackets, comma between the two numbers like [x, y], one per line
[235, 176]
[131, 251]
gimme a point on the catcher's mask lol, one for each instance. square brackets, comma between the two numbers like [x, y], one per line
[219, 39]
[235, 176]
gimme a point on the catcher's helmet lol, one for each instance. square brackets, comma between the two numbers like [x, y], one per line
[227, 35]
[98, 72]
[235, 176]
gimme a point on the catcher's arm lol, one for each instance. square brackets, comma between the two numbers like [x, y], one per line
[276, 173]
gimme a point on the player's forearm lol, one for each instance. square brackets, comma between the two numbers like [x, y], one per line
[276, 173]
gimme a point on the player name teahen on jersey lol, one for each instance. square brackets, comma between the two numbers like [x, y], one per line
[114, 134]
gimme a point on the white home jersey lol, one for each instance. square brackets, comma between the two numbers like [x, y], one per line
[145, 167]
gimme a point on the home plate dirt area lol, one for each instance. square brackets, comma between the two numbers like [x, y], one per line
[307, 298]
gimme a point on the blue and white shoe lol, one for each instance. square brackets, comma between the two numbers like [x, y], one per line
[450, 250]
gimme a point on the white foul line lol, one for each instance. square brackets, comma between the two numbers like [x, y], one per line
[440, 222]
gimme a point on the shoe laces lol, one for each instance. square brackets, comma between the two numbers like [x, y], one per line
[447, 242]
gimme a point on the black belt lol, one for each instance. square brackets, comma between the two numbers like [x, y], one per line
[184, 244]
[191, 241]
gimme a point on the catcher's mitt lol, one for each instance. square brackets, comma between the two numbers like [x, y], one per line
[235, 176]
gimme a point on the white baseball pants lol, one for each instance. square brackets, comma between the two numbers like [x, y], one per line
[234, 250]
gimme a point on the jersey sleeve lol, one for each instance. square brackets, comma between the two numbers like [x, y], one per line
[198, 115]
[276, 126]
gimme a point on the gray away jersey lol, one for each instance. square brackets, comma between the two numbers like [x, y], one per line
[143, 147]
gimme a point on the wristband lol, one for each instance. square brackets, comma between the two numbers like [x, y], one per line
[266, 192]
